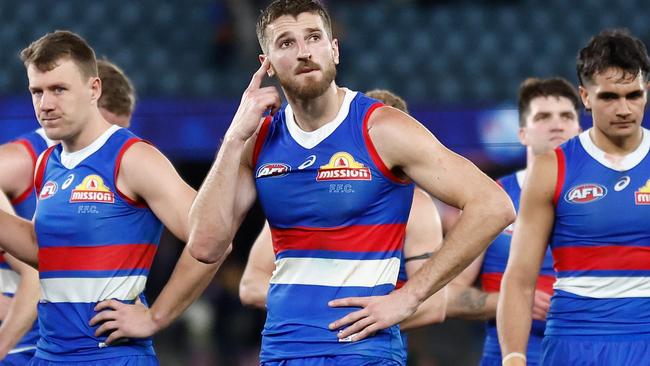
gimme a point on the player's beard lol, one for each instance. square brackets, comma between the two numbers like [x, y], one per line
[309, 90]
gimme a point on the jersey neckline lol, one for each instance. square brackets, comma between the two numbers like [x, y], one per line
[309, 140]
[628, 162]
[71, 160]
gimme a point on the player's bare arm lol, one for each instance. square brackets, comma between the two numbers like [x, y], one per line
[16, 172]
[529, 243]
[228, 191]
[466, 301]
[423, 239]
[170, 198]
[254, 284]
[407, 146]
[22, 309]
[16, 176]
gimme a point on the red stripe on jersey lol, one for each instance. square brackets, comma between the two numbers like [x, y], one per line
[358, 238]
[492, 282]
[399, 284]
[98, 258]
[118, 162]
[545, 283]
[561, 172]
[259, 140]
[40, 170]
[32, 154]
[372, 151]
[2, 258]
[601, 258]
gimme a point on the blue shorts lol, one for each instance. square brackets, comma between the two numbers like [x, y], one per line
[595, 351]
[18, 359]
[117, 361]
[343, 360]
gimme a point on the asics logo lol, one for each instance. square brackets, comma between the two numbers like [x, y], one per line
[311, 159]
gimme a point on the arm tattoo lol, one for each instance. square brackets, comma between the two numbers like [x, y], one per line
[473, 300]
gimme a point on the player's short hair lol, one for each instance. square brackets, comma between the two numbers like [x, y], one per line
[47, 51]
[278, 8]
[118, 94]
[388, 98]
[532, 88]
[615, 48]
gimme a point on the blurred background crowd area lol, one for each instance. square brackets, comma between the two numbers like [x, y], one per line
[458, 64]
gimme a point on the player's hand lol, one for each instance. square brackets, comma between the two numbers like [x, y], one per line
[123, 320]
[254, 103]
[377, 313]
[5, 301]
[541, 304]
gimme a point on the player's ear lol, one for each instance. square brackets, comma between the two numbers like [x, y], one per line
[584, 95]
[335, 51]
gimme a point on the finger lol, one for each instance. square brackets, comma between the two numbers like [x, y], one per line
[367, 332]
[270, 100]
[258, 76]
[355, 328]
[116, 335]
[106, 327]
[108, 304]
[349, 301]
[350, 318]
[102, 317]
[539, 314]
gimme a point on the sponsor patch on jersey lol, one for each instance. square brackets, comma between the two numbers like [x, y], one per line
[622, 183]
[342, 166]
[273, 170]
[92, 189]
[48, 190]
[642, 196]
[585, 193]
[67, 182]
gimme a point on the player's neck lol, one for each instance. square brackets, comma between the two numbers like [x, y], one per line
[616, 145]
[312, 114]
[88, 133]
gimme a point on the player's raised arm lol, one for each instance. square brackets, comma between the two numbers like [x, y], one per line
[229, 191]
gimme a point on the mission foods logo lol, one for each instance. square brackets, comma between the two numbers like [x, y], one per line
[585, 193]
[642, 196]
[92, 189]
[342, 166]
[274, 170]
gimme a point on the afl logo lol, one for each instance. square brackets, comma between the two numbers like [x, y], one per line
[273, 170]
[585, 193]
[49, 189]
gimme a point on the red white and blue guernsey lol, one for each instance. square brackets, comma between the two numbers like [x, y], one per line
[94, 244]
[494, 265]
[601, 245]
[337, 216]
[24, 204]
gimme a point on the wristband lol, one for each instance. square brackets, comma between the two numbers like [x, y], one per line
[512, 355]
